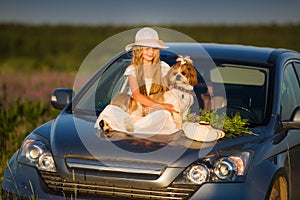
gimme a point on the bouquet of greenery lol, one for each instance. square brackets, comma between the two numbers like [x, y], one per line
[232, 127]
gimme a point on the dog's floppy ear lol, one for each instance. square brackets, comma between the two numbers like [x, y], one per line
[193, 76]
[166, 78]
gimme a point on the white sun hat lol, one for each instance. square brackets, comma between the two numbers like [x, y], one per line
[202, 133]
[147, 37]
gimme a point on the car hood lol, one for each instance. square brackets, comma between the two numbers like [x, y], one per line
[74, 136]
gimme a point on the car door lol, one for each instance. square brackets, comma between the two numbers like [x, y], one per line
[290, 99]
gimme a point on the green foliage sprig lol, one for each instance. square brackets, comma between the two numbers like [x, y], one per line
[232, 127]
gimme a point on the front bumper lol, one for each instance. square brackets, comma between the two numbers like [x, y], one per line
[26, 182]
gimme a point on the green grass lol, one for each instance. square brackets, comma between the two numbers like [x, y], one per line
[17, 121]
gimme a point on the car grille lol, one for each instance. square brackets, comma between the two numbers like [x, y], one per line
[118, 169]
[172, 192]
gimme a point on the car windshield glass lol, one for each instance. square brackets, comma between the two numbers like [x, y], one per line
[109, 83]
[245, 87]
[100, 92]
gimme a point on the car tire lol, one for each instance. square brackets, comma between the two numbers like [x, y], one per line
[279, 188]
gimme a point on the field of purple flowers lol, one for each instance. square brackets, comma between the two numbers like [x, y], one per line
[32, 86]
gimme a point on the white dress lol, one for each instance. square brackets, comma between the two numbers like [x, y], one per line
[157, 122]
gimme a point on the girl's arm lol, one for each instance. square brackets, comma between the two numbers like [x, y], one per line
[145, 100]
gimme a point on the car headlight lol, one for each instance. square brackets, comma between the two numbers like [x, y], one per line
[35, 151]
[198, 173]
[217, 168]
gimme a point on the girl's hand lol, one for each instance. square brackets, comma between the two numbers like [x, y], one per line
[169, 107]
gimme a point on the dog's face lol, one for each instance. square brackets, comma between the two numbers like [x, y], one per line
[183, 75]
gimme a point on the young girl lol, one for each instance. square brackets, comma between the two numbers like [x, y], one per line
[146, 71]
[145, 76]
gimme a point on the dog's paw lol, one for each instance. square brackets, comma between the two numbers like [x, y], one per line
[129, 124]
[178, 120]
[101, 124]
[105, 126]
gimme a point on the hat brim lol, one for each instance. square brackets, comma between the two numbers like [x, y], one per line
[153, 45]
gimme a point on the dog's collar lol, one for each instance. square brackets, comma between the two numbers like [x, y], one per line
[191, 92]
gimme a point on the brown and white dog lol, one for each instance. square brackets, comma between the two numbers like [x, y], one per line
[182, 78]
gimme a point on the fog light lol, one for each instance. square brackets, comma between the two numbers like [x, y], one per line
[198, 174]
[225, 169]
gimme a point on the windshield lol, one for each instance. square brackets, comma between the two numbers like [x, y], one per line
[245, 87]
[99, 94]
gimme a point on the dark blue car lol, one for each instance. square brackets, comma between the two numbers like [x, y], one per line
[67, 158]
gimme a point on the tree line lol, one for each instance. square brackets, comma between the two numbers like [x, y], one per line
[64, 47]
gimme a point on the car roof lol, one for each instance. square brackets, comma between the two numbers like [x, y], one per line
[228, 51]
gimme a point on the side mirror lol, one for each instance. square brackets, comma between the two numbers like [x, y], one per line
[294, 123]
[61, 97]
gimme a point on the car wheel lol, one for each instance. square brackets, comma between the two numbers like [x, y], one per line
[279, 189]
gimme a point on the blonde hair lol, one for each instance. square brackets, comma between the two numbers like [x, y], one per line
[137, 61]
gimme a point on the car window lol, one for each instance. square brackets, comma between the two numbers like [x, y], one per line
[297, 68]
[290, 92]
